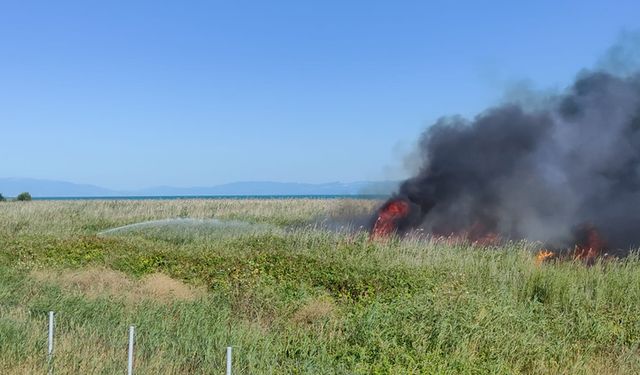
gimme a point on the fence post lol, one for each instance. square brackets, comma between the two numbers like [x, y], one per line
[50, 340]
[228, 360]
[132, 330]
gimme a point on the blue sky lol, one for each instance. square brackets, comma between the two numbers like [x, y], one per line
[128, 94]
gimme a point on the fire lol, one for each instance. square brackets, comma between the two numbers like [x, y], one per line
[398, 213]
[479, 234]
[544, 255]
[389, 219]
[388, 216]
[590, 244]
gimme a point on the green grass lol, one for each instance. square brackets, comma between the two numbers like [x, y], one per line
[299, 301]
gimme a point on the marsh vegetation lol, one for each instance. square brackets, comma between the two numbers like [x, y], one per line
[292, 297]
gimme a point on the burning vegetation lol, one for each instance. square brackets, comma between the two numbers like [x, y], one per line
[566, 174]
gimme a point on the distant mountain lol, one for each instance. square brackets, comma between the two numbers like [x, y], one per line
[277, 188]
[11, 187]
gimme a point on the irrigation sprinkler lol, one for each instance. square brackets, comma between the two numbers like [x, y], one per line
[50, 340]
[132, 330]
[228, 360]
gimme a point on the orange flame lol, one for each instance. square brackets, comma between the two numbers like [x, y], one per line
[386, 223]
[589, 244]
[544, 255]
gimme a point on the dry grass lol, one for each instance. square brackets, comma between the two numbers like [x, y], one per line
[161, 287]
[31, 367]
[315, 310]
[92, 216]
[102, 282]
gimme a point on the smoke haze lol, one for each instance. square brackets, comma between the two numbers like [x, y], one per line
[538, 172]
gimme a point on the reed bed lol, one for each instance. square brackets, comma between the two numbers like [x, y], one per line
[295, 297]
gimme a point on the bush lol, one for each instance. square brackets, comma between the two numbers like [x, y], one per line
[23, 197]
[2, 199]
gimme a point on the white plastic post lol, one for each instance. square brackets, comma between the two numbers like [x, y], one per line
[132, 330]
[228, 360]
[50, 341]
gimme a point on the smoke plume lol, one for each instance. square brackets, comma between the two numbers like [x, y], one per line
[536, 173]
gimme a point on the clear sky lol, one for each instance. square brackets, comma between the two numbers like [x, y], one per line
[129, 94]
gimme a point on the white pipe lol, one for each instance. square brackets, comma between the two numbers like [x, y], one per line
[228, 360]
[132, 330]
[51, 323]
[50, 342]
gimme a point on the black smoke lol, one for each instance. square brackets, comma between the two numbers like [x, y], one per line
[537, 172]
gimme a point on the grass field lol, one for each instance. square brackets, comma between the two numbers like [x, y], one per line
[295, 299]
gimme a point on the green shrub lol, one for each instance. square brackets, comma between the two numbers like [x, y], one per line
[25, 196]
[2, 198]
